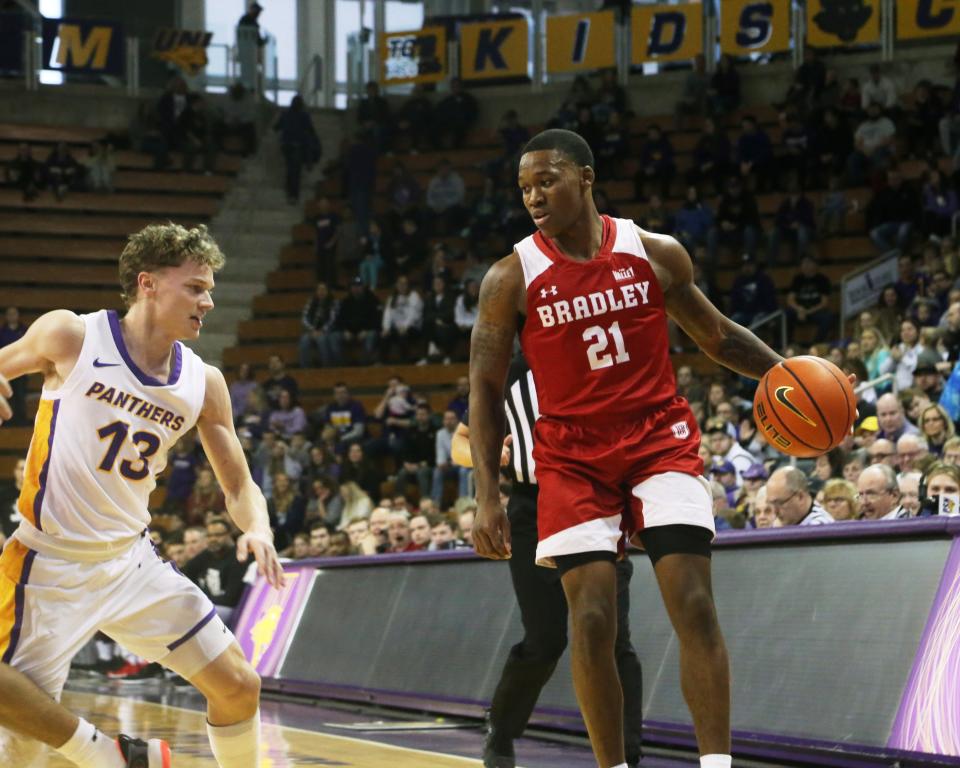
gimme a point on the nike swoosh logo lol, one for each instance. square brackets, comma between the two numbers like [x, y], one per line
[98, 364]
[781, 396]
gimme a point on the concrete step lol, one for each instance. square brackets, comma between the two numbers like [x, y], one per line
[231, 293]
[226, 317]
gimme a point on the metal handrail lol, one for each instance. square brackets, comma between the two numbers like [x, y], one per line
[769, 318]
[863, 386]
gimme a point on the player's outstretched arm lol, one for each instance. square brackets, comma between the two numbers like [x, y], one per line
[50, 346]
[723, 340]
[491, 346]
[245, 502]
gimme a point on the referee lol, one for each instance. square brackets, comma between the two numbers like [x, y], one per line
[543, 606]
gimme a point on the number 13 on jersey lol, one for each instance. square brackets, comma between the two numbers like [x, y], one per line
[596, 354]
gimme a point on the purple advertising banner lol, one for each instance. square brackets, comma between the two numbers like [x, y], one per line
[269, 616]
[929, 715]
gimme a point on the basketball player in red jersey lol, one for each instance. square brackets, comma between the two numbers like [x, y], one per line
[590, 297]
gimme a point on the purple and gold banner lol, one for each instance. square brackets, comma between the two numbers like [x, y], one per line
[269, 616]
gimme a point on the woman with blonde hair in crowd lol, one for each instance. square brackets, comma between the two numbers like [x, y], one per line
[840, 499]
[951, 451]
[936, 426]
[874, 351]
[356, 504]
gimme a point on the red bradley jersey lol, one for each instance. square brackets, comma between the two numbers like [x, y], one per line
[595, 334]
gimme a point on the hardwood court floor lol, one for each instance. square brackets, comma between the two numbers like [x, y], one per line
[282, 746]
[300, 734]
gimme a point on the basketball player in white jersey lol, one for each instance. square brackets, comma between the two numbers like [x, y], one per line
[117, 393]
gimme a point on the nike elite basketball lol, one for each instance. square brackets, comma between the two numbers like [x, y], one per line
[804, 406]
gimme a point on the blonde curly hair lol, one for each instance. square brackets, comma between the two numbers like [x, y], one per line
[165, 245]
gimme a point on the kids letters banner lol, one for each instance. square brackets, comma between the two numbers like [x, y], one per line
[580, 42]
[666, 32]
[754, 26]
[492, 49]
[927, 18]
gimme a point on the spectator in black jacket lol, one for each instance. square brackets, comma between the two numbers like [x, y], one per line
[795, 223]
[711, 156]
[326, 226]
[25, 173]
[738, 218]
[169, 108]
[755, 154]
[357, 323]
[319, 315]
[357, 468]
[656, 164]
[300, 144]
[832, 144]
[454, 116]
[724, 92]
[809, 301]
[216, 569]
[61, 170]
[414, 118]
[196, 130]
[419, 454]
[373, 114]
[753, 293]
[893, 213]
[439, 329]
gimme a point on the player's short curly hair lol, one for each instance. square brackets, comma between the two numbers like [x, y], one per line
[165, 245]
[567, 143]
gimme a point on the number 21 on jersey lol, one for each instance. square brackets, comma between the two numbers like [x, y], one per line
[596, 354]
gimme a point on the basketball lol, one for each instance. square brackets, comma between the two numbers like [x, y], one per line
[804, 406]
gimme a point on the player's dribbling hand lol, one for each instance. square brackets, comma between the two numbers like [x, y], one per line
[505, 451]
[491, 532]
[261, 546]
[5, 392]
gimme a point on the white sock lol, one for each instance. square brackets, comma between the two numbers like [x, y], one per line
[715, 761]
[91, 748]
[236, 746]
[622, 765]
[104, 650]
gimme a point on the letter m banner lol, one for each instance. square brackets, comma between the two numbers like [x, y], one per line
[83, 46]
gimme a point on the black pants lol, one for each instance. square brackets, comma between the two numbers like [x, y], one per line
[543, 611]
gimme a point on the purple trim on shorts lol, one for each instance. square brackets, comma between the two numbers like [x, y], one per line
[200, 625]
[38, 500]
[19, 599]
[143, 378]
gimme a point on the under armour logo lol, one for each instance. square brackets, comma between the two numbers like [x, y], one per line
[544, 292]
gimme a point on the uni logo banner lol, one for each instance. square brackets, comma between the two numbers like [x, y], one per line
[184, 48]
[842, 22]
[414, 57]
[83, 45]
[754, 26]
[927, 18]
[491, 49]
[580, 42]
[666, 32]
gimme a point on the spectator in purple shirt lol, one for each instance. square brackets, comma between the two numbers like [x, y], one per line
[939, 205]
[346, 416]
[240, 389]
[12, 330]
[288, 418]
[183, 474]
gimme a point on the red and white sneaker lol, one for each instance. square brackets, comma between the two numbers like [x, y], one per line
[138, 753]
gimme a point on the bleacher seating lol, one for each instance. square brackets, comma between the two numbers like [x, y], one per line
[63, 253]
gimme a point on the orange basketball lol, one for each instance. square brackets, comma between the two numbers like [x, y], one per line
[804, 406]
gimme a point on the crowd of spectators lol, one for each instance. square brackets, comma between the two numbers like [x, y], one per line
[61, 172]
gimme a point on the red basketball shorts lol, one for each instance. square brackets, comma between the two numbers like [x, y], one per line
[601, 483]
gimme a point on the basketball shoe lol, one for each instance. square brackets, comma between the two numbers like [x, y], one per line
[138, 753]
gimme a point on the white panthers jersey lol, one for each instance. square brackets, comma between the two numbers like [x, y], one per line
[101, 439]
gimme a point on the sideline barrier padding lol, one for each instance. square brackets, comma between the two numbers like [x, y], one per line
[841, 637]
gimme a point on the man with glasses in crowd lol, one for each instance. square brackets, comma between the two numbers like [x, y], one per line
[912, 452]
[879, 494]
[789, 495]
[882, 452]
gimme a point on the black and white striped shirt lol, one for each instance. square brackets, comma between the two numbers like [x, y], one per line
[523, 410]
